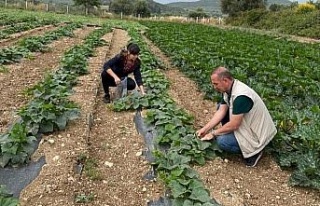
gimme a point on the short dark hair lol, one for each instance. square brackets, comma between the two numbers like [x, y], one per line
[133, 48]
[223, 72]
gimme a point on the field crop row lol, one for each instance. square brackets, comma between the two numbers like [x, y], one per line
[285, 73]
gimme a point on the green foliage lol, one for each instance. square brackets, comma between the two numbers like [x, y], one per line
[8, 201]
[91, 170]
[276, 7]
[88, 3]
[305, 8]
[15, 28]
[15, 146]
[234, 7]
[33, 44]
[75, 60]
[255, 59]
[12, 54]
[141, 8]
[47, 116]
[83, 198]
[6, 198]
[286, 21]
[174, 131]
[199, 13]
[253, 16]
[122, 6]
[199, 151]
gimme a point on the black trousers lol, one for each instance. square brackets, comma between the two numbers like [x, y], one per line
[108, 81]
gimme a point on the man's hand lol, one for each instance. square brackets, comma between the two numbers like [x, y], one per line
[201, 132]
[208, 136]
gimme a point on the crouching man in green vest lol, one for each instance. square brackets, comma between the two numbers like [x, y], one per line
[249, 126]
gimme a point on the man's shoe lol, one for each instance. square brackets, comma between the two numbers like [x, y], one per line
[106, 99]
[253, 161]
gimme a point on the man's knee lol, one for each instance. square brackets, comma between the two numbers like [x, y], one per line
[221, 142]
[227, 144]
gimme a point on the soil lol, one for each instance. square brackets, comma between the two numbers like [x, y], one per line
[114, 166]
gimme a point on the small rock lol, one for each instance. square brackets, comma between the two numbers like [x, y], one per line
[70, 179]
[138, 154]
[56, 158]
[51, 141]
[236, 180]
[109, 164]
[247, 195]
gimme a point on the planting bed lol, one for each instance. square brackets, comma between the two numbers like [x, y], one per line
[111, 149]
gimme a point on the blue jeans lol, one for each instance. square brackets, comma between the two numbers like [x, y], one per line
[228, 143]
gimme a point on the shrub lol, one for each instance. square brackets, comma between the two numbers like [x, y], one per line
[305, 8]
[255, 16]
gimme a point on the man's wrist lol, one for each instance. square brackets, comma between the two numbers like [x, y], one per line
[213, 133]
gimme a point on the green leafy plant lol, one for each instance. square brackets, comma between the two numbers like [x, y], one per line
[45, 116]
[16, 146]
[83, 198]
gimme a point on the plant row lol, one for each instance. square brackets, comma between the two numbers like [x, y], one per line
[15, 28]
[49, 109]
[285, 73]
[16, 16]
[7, 19]
[35, 44]
[176, 146]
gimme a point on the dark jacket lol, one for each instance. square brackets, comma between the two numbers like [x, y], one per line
[117, 65]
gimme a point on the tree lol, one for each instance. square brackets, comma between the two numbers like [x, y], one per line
[87, 3]
[234, 7]
[199, 13]
[124, 6]
[142, 9]
[36, 2]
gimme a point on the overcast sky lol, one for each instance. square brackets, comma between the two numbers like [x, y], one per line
[170, 1]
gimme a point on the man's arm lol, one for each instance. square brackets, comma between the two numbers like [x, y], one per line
[232, 125]
[241, 106]
[215, 120]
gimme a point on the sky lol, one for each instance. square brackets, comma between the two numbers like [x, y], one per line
[171, 1]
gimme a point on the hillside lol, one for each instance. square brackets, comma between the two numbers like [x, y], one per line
[154, 6]
[210, 6]
[213, 6]
[178, 8]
